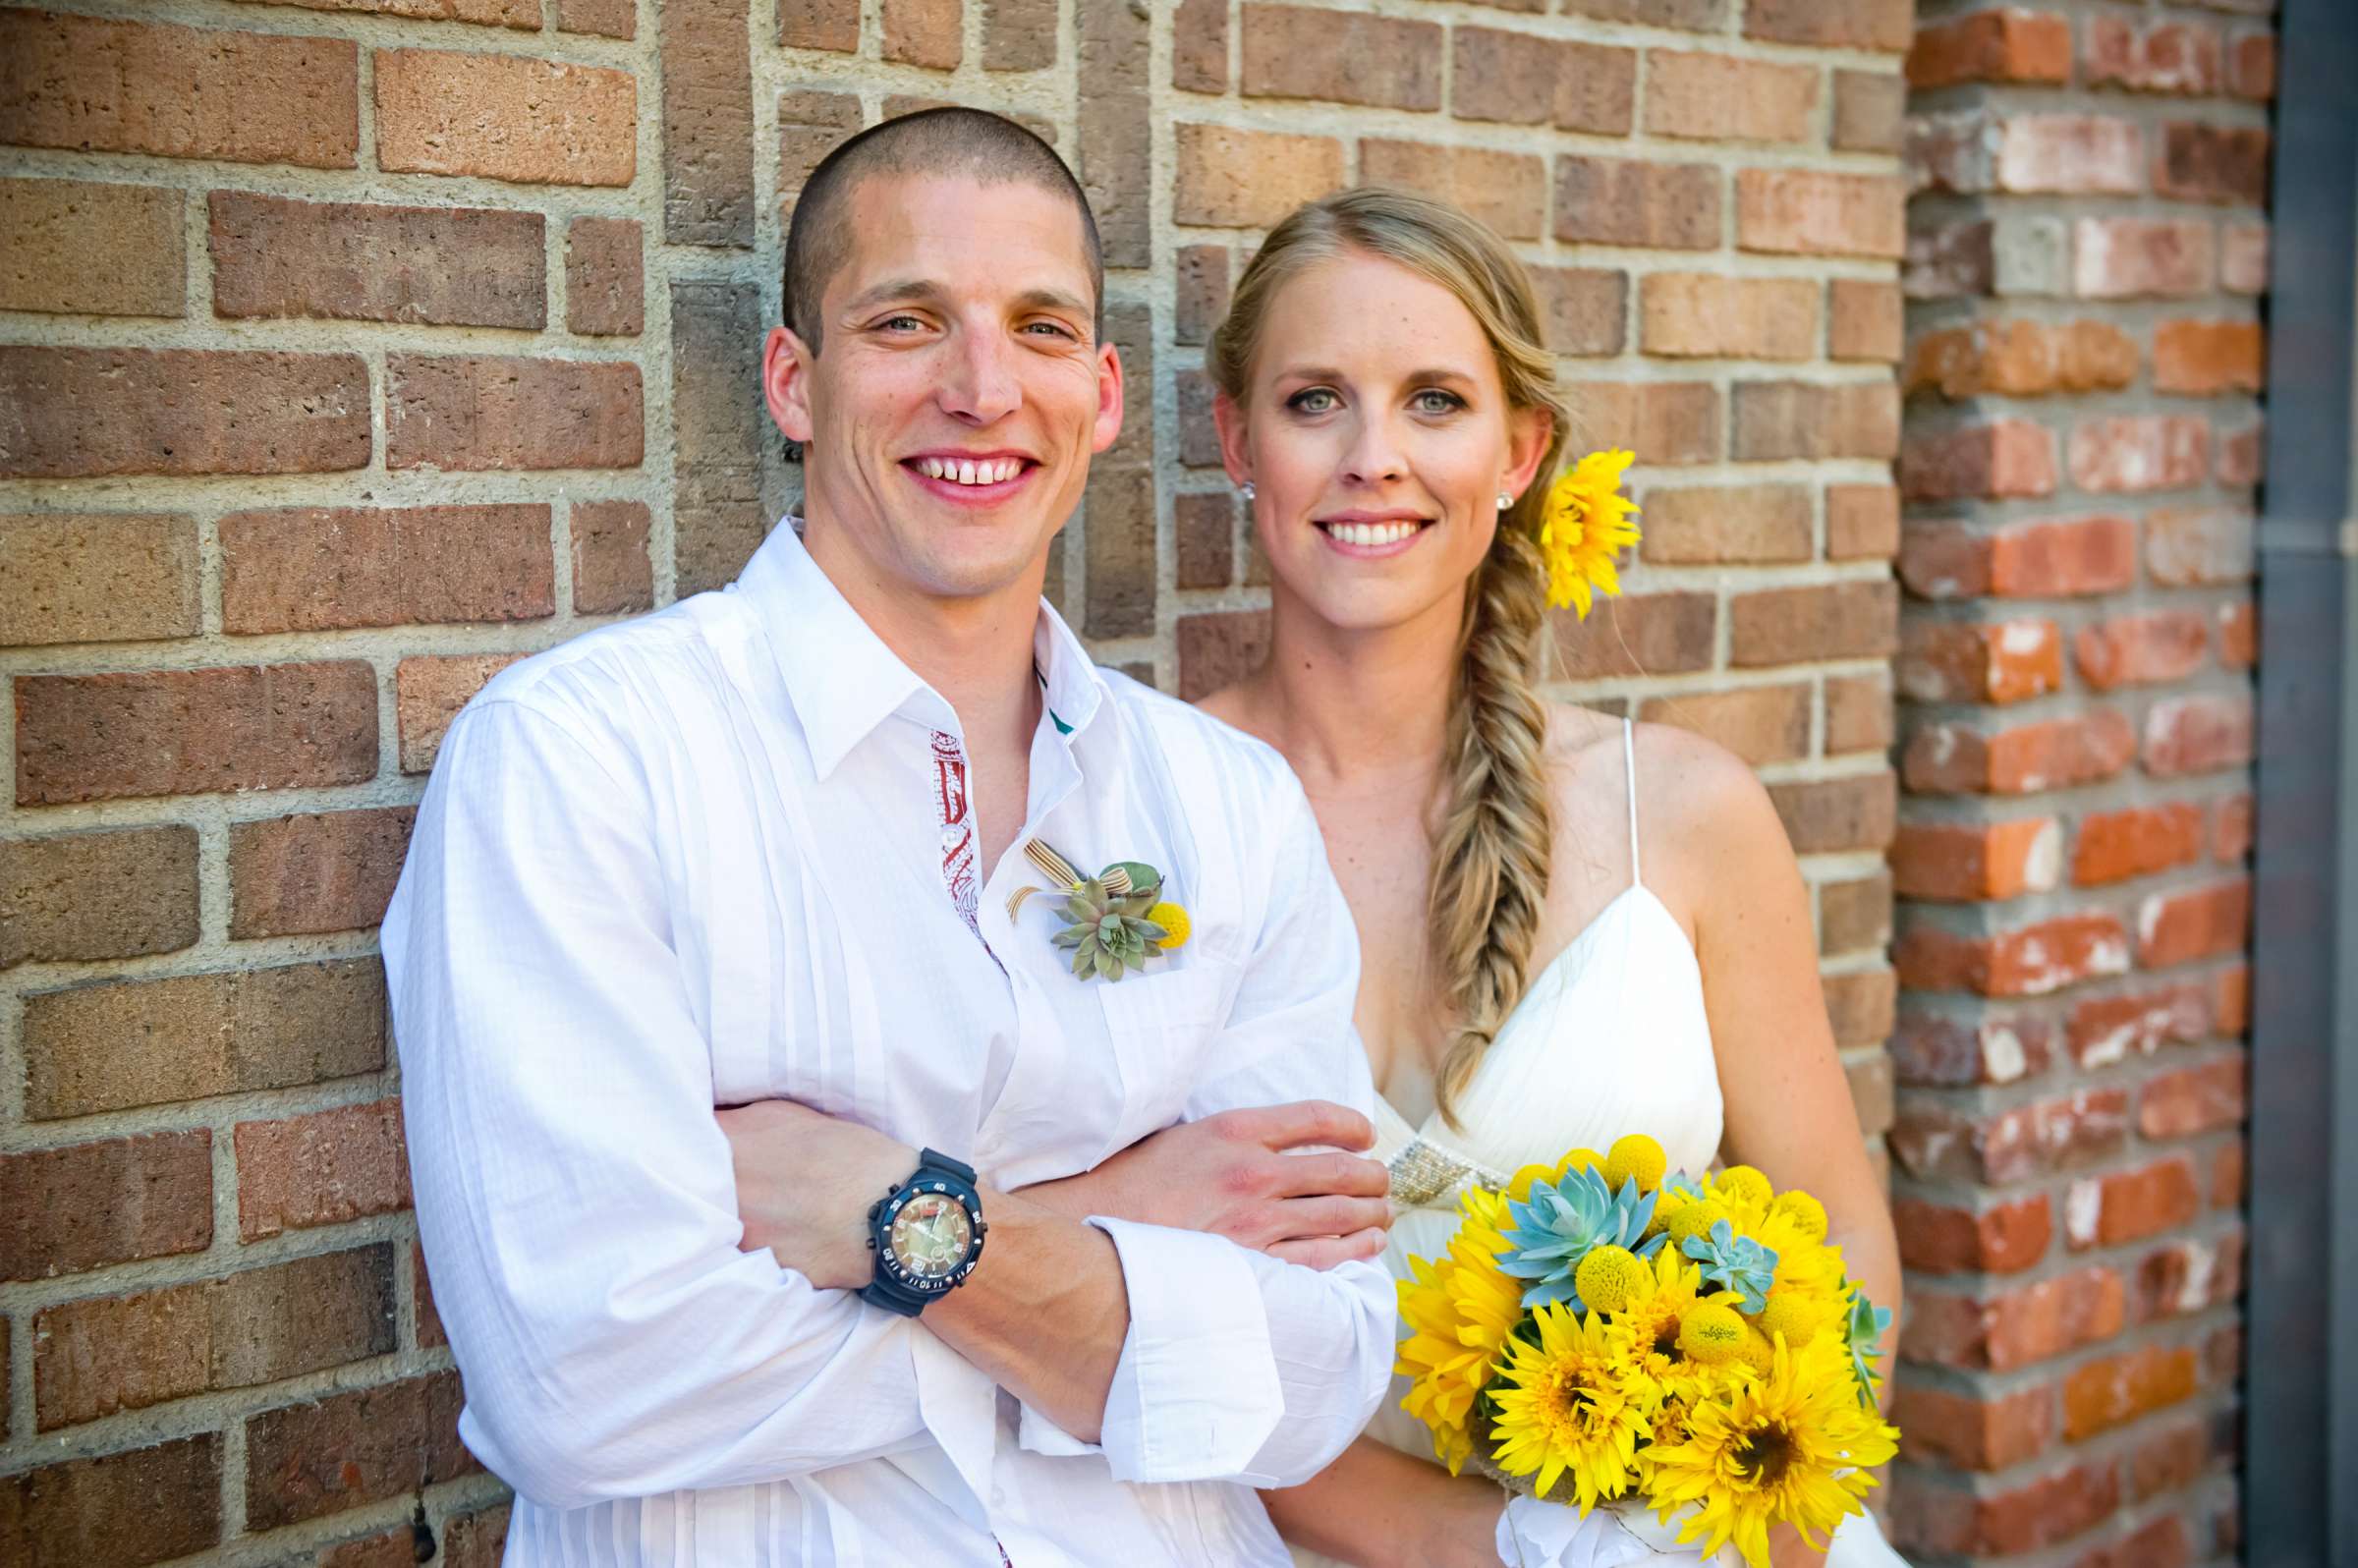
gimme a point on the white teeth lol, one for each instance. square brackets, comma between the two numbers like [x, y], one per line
[1371, 533]
[963, 471]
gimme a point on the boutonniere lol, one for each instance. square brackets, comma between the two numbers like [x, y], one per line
[1115, 921]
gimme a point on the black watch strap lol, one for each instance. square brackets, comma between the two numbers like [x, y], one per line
[934, 1158]
[881, 1291]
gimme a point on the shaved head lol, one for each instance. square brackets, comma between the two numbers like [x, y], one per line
[968, 143]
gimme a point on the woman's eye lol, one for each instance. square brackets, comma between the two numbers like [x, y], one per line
[1312, 400]
[1431, 401]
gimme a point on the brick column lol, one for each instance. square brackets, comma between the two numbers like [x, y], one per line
[2082, 441]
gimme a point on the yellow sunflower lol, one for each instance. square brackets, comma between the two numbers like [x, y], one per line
[1586, 521]
[1570, 1403]
[1459, 1312]
[1648, 1322]
[1792, 1447]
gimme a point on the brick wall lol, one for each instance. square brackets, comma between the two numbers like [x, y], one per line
[352, 348]
[2085, 254]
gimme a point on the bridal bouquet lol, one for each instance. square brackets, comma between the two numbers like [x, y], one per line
[1608, 1329]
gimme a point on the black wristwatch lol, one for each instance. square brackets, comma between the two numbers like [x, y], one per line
[926, 1233]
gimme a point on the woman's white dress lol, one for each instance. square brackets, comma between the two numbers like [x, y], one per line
[1610, 1037]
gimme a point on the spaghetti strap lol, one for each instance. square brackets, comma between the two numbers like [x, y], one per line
[1629, 758]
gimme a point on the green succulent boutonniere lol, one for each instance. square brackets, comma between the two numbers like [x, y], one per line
[1115, 921]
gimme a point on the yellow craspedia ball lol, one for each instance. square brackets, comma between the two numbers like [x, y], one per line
[1173, 917]
[1578, 1160]
[1806, 1212]
[1695, 1219]
[1636, 1158]
[1710, 1335]
[1793, 1315]
[1746, 1186]
[1758, 1351]
[1519, 1188]
[1667, 1201]
[1607, 1277]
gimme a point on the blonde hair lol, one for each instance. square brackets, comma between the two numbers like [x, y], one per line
[1493, 847]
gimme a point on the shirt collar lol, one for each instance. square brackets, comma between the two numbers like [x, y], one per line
[844, 682]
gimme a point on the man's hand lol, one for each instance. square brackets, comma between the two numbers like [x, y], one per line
[1230, 1175]
[805, 1181]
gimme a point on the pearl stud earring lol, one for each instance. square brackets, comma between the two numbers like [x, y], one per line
[1507, 498]
[1246, 489]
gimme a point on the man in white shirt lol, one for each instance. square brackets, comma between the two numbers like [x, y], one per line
[759, 849]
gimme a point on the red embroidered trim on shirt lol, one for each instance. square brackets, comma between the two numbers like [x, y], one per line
[959, 852]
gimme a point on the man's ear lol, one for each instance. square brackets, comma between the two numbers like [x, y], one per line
[1110, 387]
[787, 363]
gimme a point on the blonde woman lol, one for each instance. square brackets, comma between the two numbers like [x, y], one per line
[1571, 927]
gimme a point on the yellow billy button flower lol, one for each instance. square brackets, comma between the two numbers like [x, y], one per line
[1696, 1219]
[1747, 1191]
[1806, 1212]
[1792, 1315]
[1711, 1334]
[1578, 1160]
[1639, 1156]
[1607, 1277]
[1173, 917]
[1586, 523]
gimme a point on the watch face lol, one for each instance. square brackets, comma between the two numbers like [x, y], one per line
[931, 1236]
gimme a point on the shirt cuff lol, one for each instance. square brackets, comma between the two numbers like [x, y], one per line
[1196, 1393]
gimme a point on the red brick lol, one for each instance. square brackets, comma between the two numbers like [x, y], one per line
[810, 125]
[1943, 1519]
[612, 19]
[2191, 546]
[830, 25]
[1671, 206]
[1201, 295]
[84, 1205]
[2193, 1099]
[1932, 1142]
[91, 413]
[1665, 423]
[1654, 633]
[2136, 841]
[96, 577]
[1834, 620]
[1944, 1046]
[1869, 110]
[2016, 1328]
[2007, 44]
[2203, 357]
[1977, 860]
[1855, 913]
[1853, 811]
[505, 116]
[121, 1509]
[1814, 420]
[1719, 97]
[2108, 1394]
[1711, 315]
[352, 1448]
[2029, 961]
[2122, 258]
[2231, 997]
[74, 897]
[1982, 1431]
[91, 85]
[1964, 661]
[1713, 525]
[390, 1548]
[1200, 46]
[611, 571]
[1864, 319]
[1219, 649]
[185, 732]
[2039, 154]
[2238, 636]
[429, 692]
[1859, 1006]
[2231, 839]
[1950, 260]
[1508, 191]
[2240, 456]
[1993, 461]
[1519, 79]
[2252, 67]
[923, 33]
[324, 872]
[2140, 452]
[2001, 1238]
[1205, 543]
[79, 248]
[361, 261]
[320, 1170]
[2204, 163]
[2046, 753]
[2226, 1176]
[2131, 1204]
[97, 1357]
[2200, 923]
[2103, 1029]
[477, 1540]
[2170, 1460]
[1236, 179]
[1862, 521]
[2147, 649]
[1337, 57]
[430, 1319]
[2190, 1274]
[1884, 25]
[112, 1044]
[315, 569]
[2060, 558]
[469, 412]
[2155, 57]
[2020, 359]
[1858, 714]
[605, 278]
[2197, 735]
[1815, 212]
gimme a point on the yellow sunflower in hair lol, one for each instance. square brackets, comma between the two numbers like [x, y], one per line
[1585, 524]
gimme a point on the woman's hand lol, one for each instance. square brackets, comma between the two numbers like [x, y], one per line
[1230, 1175]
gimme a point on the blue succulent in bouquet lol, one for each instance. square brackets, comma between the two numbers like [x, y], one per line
[1560, 1222]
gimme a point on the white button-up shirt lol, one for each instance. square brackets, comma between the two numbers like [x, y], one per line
[700, 859]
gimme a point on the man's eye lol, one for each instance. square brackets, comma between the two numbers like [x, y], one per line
[1312, 400]
[1051, 329]
[902, 323]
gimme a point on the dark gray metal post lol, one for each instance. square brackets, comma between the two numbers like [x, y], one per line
[2301, 1348]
